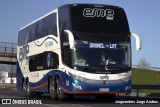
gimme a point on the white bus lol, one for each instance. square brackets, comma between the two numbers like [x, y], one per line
[76, 49]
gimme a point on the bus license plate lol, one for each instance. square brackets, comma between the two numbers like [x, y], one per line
[104, 89]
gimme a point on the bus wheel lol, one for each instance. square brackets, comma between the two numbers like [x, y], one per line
[61, 95]
[52, 90]
[23, 86]
[28, 94]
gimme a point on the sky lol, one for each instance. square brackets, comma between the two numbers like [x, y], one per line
[143, 17]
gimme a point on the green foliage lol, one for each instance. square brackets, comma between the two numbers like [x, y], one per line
[80, 60]
[143, 76]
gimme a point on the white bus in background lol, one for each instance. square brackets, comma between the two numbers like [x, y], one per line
[76, 49]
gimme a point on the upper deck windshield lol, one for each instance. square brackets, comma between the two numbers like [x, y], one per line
[102, 57]
[99, 19]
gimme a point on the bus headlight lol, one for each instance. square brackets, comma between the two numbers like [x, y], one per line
[125, 74]
[78, 77]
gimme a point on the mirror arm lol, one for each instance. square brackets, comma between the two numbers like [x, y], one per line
[138, 41]
[71, 38]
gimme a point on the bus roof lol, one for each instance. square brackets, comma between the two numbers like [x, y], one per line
[55, 10]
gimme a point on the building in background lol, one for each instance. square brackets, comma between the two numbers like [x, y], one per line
[7, 77]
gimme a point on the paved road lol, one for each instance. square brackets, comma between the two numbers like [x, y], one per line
[78, 101]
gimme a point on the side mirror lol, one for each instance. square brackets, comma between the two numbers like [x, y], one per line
[71, 38]
[138, 41]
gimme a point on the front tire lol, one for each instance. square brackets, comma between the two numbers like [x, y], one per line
[61, 95]
[52, 90]
[23, 86]
[28, 94]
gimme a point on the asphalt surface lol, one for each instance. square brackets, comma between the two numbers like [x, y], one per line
[81, 101]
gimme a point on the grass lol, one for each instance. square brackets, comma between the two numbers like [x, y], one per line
[142, 76]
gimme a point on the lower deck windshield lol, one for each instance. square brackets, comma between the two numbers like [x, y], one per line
[102, 56]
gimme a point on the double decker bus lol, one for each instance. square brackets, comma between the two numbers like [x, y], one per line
[76, 49]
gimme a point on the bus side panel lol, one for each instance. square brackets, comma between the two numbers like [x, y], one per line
[68, 83]
[42, 85]
[19, 76]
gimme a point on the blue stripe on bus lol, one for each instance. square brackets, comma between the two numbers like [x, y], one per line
[42, 85]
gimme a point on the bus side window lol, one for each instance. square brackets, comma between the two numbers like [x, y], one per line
[52, 63]
[66, 51]
[43, 61]
[52, 60]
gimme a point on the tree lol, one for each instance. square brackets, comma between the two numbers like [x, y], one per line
[143, 63]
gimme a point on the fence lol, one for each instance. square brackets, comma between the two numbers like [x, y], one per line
[138, 87]
[148, 68]
[7, 47]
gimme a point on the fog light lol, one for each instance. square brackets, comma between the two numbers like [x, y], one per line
[128, 88]
[77, 86]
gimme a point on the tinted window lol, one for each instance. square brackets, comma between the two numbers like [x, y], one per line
[66, 51]
[43, 27]
[43, 61]
[22, 37]
[46, 26]
[64, 18]
[100, 20]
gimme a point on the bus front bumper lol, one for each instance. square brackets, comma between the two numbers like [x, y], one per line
[79, 87]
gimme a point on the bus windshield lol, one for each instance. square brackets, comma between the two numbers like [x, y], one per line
[102, 55]
[99, 20]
